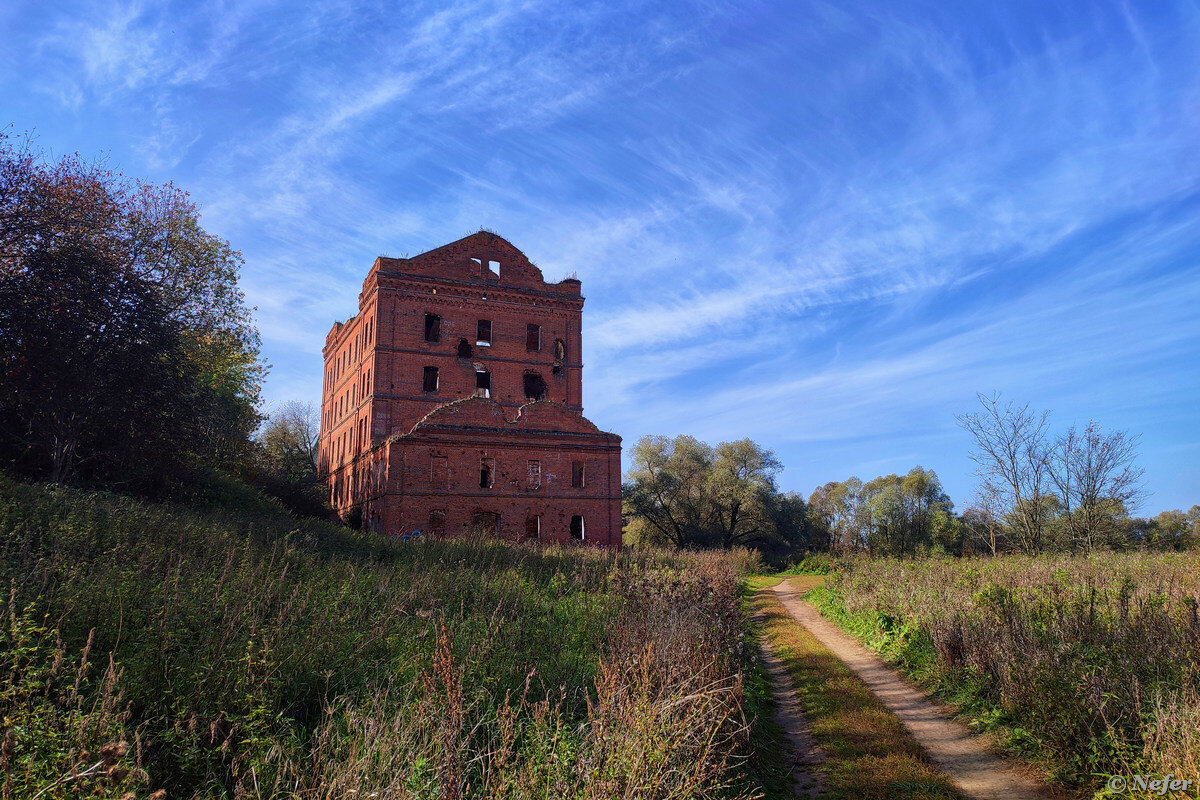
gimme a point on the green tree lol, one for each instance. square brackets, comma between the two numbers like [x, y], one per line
[128, 354]
[741, 493]
[686, 493]
[1173, 530]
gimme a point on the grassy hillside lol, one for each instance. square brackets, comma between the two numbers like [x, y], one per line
[236, 651]
[1088, 664]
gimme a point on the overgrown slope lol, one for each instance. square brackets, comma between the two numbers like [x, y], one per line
[253, 654]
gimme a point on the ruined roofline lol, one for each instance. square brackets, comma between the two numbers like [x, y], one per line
[482, 258]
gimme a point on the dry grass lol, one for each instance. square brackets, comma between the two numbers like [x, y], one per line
[869, 753]
[254, 655]
[1089, 665]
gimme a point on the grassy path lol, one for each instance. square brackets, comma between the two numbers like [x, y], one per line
[865, 751]
[802, 755]
[878, 741]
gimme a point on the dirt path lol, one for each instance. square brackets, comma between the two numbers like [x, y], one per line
[804, 751]
[975, 770]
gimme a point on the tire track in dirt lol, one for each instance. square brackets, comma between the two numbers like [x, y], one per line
[977, 771]
[805, 753]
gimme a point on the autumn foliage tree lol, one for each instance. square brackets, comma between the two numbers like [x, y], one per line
[128, 355]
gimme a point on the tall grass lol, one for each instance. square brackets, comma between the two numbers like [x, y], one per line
[253, 655]
[1093, 661]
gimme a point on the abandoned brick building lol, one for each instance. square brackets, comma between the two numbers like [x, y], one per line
[454, 399]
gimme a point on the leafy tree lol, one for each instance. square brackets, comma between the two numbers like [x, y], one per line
[665, 494]
[889, 515]
[286, 466]
[686, 493]
[128, 354]
[1170, 530]
[741, 491]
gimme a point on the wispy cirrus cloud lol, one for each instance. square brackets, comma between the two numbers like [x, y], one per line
[823, 225]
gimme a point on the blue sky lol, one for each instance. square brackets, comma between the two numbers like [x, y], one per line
[825, 226]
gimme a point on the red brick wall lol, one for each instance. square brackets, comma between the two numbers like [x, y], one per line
[374, 390]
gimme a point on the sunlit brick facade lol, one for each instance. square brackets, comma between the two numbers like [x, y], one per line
[454, 399]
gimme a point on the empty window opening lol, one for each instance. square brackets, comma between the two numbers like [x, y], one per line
[437, 522]
[577, 476]
[533, 527]
[535, 474]
[577, 528]
[483, 333]
[464, 348]
[487, 472]
[439, 472]
[478, 266]
[431, 379]
[556, 370]
[483, 383]
[533, 338]
[494, 269]
[433, 328]
[535, 386]
[560, 350]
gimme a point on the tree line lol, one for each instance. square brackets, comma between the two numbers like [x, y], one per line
[1040, 491]
[129, 358]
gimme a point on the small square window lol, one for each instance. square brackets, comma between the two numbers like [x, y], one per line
[535, 387]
